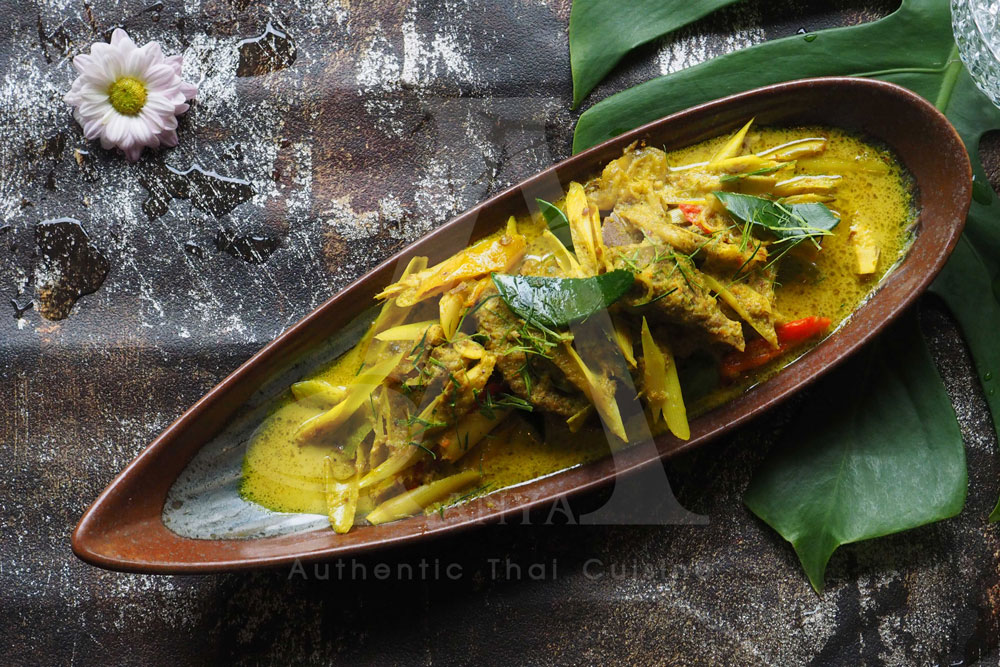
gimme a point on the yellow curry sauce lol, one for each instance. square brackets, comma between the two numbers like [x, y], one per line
[868, 192]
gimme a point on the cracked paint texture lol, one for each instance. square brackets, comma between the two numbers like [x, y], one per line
[388, 119]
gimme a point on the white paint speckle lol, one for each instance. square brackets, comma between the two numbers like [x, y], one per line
[685, 48]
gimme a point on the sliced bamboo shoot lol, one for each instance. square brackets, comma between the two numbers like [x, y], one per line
[341, 498]
[450, 309]
[411, 331]
[663, 386]
[674, 411]
[733, 147]
[796, 150]
[798, 185]
[564, 258]
[600, 396]
[496, 253]
[832, 165]
[866, 250]
[415, 500]
[576, 421]
[756, 185]
[469, 349]
[743, 164]
[320, 391]
[811, 198]
[469, 431]
[323, 425]
[623, 337]
[675, 216]
[396, 463]
[867, 257]
[654, 374]
[390, 315]
[766, 332]
[584, 226]
[380, 420]
[405, 456]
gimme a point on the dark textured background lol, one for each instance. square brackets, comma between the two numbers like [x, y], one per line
[391, 118]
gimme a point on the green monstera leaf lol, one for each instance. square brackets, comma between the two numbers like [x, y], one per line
[601, 32]
[846, 471]
[912, 47]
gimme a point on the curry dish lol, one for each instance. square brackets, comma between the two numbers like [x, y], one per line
[661, 288]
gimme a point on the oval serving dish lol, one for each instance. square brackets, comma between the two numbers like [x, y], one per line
[124, 528]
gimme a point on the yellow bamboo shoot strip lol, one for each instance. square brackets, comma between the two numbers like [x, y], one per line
[390, 315]
[564, 258]
[576, 421]
[745, 163]
[450, 309]
[368, 380]
[319, 390]
[585, 230]
[415, 500]
[380, 419]
[675, 216]
[832, 165]
[663, 386]
[866, 250]
[341, 498]
[756, 185]
[603, 400]
[810, 198]
[733, 147]
[767, 333]
[484, 367]
[397, 462]
[799, 185]
[472, 428]
[674, 411]
[496, 253]
[623, 337]
[469, 349]
[404, 457]
[654, 375]
[411, 331]
[796, 150]
[867, 256]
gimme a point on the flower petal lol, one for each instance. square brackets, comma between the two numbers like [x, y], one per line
[168, 138]
[83, 62]
[154, 52]
[114, 130]
[132, 153]
[135, 64]
[139, 131]
[102, 50]
[93, 109]
[92, 129]
[160, 77]
[153, 120]
[158, 103]
[121, 41]
[176, 62]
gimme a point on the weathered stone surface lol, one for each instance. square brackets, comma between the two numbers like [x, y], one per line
[390, 118]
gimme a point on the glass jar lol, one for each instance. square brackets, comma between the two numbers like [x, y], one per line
[976, 24]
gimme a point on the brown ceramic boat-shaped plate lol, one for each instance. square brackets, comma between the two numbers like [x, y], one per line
[124, 529]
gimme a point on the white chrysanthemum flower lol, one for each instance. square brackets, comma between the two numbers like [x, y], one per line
[128, 96]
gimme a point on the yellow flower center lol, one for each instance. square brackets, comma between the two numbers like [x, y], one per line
[128, 95]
